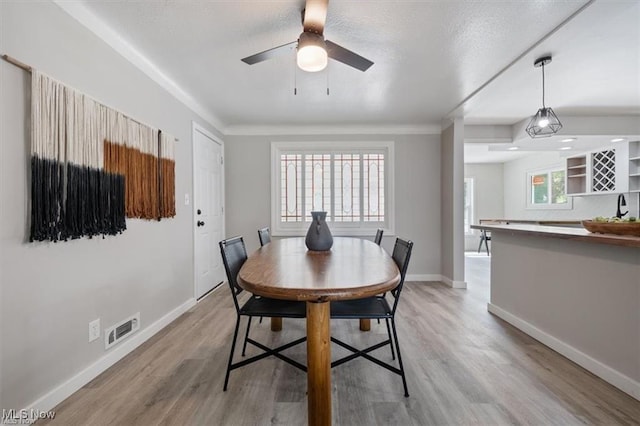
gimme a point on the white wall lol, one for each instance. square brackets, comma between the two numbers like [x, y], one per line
[50, 292]
[515, 193]
[488, 193]
[417, 190]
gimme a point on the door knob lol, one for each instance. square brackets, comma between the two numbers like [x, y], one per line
[199, 211]
[200, 223]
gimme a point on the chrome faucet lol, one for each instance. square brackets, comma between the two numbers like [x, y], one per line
[621, 202]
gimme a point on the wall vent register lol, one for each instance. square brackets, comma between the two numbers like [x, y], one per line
[117, 332]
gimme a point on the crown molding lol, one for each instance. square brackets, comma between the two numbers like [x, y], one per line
[97, 26]
[427, 129]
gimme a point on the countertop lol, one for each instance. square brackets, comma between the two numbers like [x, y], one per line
[566, 233]
[577, 223]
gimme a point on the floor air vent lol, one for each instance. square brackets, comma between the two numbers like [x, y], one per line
[116, 333]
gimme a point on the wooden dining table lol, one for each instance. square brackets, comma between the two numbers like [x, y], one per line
[284, 269]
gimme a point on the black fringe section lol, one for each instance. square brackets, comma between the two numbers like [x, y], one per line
[70, 201]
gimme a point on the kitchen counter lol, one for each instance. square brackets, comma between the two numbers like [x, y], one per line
[558, 231]
[569, 223]
[574, 291]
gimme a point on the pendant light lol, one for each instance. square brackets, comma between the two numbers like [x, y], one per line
[545, 123]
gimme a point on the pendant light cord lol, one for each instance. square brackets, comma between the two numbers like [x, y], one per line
[543, 105]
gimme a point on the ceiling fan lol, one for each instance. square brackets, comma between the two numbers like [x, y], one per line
[312, 50]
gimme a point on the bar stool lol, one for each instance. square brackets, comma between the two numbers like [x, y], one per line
[485, 236]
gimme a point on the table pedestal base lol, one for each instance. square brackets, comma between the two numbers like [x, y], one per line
[365, 324]
[318, 364]
[276, 324]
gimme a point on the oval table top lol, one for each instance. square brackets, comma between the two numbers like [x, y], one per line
[354, 268]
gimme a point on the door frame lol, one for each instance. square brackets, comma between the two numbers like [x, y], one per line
[195, 127]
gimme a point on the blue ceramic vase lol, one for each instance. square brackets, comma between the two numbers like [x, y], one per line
[319, 236]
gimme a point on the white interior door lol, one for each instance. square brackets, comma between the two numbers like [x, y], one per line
[208, 210]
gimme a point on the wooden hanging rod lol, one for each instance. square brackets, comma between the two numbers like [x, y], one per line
[17, 63]
[27, 68]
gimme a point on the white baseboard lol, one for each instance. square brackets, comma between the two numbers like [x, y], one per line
[423, 277]
[608, 374]
[453, 284]
[66, 389]
[436, 277]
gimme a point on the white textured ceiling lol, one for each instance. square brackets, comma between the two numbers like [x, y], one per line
[429, 56]
[595, 71]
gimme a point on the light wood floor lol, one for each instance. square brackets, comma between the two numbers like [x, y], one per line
[464, 366]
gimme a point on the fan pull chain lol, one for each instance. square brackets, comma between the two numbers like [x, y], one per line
[295, 77]
[327, 79]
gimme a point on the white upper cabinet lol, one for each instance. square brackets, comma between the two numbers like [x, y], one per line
[600, 171]
[634, 166]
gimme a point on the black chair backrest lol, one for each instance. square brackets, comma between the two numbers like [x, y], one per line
[234, 254]
[401, 255]
[264, 235]
[378, 238]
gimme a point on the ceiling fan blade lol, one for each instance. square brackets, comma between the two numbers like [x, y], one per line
[315, 15]
[270, 53]
[347, 57]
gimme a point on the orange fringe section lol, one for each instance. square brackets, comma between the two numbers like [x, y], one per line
[149, 181]
[167, 188]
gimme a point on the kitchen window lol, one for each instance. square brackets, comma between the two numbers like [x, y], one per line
[350, 181]
[546, 189]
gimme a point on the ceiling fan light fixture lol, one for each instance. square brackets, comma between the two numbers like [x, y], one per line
[545, 122]
[312, 52]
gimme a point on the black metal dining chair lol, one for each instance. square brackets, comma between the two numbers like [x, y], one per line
[234, 254]
[378, 241]
[378, 238]
[264, 235]
[377, 307]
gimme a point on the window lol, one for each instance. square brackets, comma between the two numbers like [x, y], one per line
[468, 205]
[350, 181]
[546, 189]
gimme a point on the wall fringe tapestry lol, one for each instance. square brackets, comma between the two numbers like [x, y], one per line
[92, 166]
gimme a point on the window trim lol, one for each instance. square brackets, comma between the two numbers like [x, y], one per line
[290, 229]
[549, 206]
[471, 231]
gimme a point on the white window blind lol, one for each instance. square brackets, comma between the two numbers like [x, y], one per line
[350, 181]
